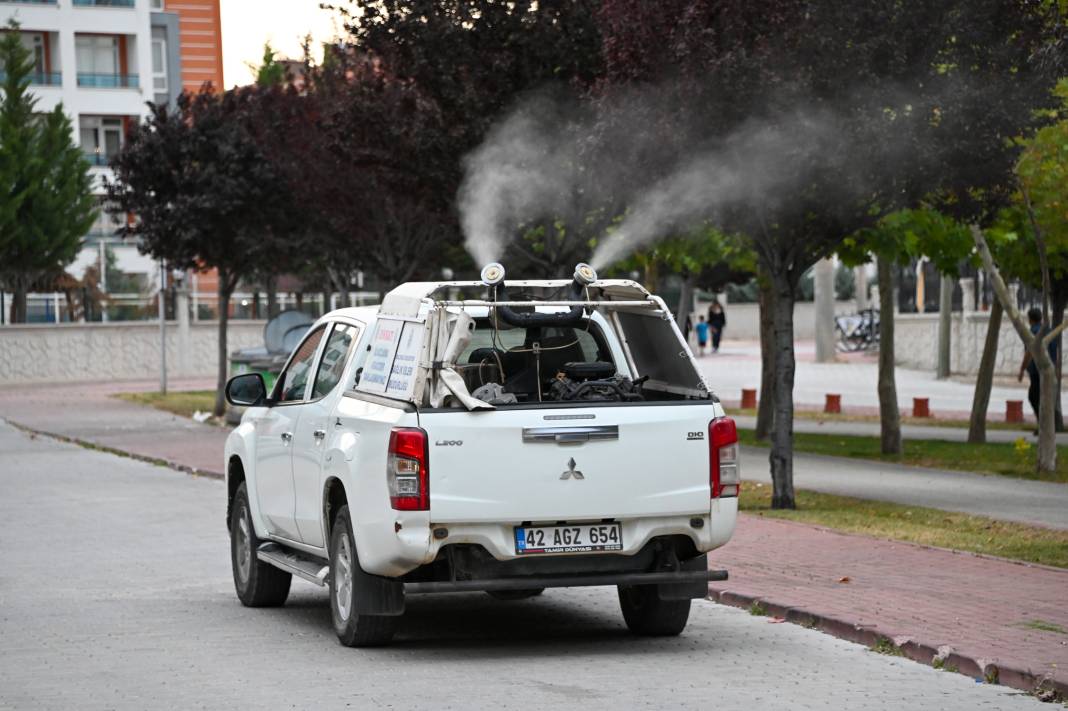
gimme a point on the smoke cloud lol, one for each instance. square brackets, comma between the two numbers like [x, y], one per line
[564, 159]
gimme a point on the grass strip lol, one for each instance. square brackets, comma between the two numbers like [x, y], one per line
[179, 403]
[931, 527]
[1002, 458]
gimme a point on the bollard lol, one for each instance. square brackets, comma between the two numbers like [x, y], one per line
[749, 400]
[833, 406]
[921, 407]
[1014, 411]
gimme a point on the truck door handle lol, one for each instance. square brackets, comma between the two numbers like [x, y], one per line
[287, 437]
[319, 434]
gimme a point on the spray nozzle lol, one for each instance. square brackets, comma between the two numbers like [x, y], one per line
[585, 274]
[492, 274]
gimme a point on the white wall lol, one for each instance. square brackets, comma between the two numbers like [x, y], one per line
[104, 351]
[916, 343]
[743, 320]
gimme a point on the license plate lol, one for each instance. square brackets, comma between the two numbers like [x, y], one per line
[583, 538]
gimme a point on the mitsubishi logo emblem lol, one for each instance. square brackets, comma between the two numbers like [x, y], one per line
[571, 471]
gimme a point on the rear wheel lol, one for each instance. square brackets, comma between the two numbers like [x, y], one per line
[515, 594]
[258, 584]
[646, 614]
[353, 629]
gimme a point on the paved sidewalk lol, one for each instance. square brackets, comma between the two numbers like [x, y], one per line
[979, 611]
[1034, 502]
[88, 413]
[854, 377]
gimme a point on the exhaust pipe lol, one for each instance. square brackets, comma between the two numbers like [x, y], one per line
[493, 277]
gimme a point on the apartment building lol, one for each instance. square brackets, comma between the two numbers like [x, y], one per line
[104, 60]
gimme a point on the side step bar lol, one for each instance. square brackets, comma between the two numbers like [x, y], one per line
[563, 581]
[305, 567]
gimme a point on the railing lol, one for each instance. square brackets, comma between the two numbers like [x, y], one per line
[109, 81]
[97, 158]
[39, 78]
[31, 2]
[103, 3]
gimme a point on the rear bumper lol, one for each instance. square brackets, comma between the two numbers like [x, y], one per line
[683, 577]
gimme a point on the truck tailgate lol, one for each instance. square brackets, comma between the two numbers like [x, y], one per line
[569, 464]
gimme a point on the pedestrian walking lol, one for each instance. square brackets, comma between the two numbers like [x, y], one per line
[702, 335]
[717, 321]
[1034, 391]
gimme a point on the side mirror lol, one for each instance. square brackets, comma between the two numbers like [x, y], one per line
[246, 390]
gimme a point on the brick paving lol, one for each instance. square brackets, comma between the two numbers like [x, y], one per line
[976, 609]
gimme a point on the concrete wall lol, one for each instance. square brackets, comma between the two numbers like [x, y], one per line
[112, 351]
[916, 343]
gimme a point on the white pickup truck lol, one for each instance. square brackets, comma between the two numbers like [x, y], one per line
[484, 436]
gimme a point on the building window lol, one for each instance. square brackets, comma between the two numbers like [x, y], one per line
[97, 54]
[101, 138]
[157, 4]
[159, 65]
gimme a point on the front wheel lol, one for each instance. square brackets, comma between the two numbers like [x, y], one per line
[647, 615]
[352, 628]
[258, 584]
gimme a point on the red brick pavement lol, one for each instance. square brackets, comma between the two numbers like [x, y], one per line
[975, 609]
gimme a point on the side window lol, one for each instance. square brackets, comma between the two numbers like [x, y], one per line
[294, 380]
[335, 355]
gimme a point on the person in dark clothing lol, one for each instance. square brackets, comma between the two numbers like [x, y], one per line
[717, 321]
[1034, 391]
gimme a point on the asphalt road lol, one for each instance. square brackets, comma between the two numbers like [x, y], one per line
[1040, 503]
[115, 592]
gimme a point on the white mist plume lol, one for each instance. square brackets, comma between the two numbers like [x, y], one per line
[759, 164]
[519, 173]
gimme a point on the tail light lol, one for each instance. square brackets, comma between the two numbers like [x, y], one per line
[724, 465]
[408, 469]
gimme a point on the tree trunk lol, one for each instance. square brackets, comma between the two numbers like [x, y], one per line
[766, 403]
[889, 415]
[272, 295]
[984, 380]
[782, 435]
[226, 290]
[945, 325]
[18, 302]
[685, 303]
[1037, 347]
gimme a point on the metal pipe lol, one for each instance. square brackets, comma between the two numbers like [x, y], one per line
[591, 304]
[564, 581]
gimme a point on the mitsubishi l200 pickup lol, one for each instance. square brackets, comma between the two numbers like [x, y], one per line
[505, 437]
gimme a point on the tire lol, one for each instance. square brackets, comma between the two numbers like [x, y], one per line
[647, 615]
[506, 595]
[353, 630]
[258, 584]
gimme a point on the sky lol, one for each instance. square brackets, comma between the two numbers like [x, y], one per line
[247, 24]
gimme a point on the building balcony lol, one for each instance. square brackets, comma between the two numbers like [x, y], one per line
[28, 2]
[109, 81]
[40, 78]
[103, 3]
[100, 159]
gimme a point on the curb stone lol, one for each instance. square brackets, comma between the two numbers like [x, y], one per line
[869, 635]
[89, 444]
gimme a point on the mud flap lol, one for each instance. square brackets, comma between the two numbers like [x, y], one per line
[376, 595]
[686, 591]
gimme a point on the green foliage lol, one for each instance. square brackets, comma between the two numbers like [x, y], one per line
[45, 202]
[708, 255]
[845, 285]
[904, 235]
[271, 72]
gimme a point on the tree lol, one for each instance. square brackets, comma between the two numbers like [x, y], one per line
[898, 238]
[912, 102]
[1038, 346]
[270, 72]
[46, 204]
[204, 194]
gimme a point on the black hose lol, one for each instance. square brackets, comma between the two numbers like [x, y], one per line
[533, 319]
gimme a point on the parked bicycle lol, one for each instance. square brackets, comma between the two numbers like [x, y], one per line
[857, 332]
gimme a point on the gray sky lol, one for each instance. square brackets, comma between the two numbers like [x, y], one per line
[247, 24]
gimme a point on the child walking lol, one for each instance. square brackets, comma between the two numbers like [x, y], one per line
[702, 335]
